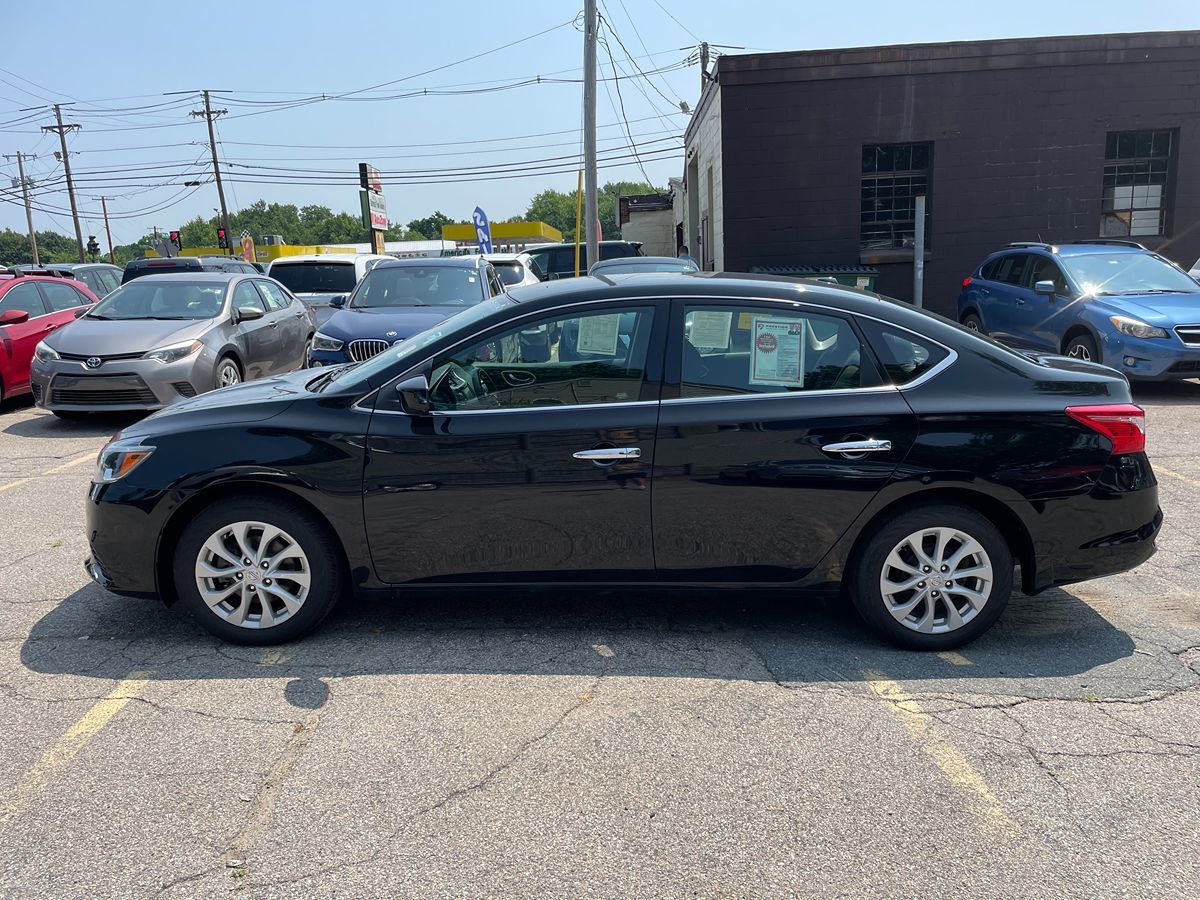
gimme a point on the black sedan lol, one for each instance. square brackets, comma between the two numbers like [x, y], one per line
[685, 430]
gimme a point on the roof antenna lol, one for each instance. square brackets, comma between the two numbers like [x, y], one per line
[1040, 241]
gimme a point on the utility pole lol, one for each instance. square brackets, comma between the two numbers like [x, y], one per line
[62, 130]
[589, 130]
[108, 231]
[21, 157]
[209, 114]
[703, 65]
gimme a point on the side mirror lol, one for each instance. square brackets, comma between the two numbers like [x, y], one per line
[13, 317]
[414, 395]
[249, 313]
[1045, 288]
[82, 311]
[338, 302]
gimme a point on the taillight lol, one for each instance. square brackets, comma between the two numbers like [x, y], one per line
[1122, 423]
[967, 281]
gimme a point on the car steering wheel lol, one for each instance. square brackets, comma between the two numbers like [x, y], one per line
[464, 384]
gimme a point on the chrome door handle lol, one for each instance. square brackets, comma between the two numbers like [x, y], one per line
[868, 446]
[609, 453]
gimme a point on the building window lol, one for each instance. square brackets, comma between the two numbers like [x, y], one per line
[892, 177]
[1135, 183]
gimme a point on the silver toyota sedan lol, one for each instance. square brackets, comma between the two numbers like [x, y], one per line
[163, 337]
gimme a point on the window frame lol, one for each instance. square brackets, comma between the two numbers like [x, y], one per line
[1165, 208]
[875, 176]
[248, 282]
[41, 298]
[673, 358]
[388, 401]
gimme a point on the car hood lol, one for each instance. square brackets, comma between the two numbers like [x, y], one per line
[251, 401]
[1159, 309]
[112, 337]
[387, 323]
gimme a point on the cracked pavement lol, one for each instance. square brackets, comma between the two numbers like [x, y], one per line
[604, 744]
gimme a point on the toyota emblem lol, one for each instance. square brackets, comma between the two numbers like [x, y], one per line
[93, 362]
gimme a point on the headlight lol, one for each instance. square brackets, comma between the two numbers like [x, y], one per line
[325, 342]
[175, 352]
[44, 353]
[119, 458]
[1137, 328]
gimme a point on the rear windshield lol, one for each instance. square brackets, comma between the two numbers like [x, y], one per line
[162, 299]
[159, 267]
[1128, 273]
[315, 277]
[418, 286]
[636, 264]
[510, 272]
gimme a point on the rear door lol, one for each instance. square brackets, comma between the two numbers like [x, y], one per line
[17, 342]
[776, 430]
[1009, 295]
[536, 469]
[292, 324]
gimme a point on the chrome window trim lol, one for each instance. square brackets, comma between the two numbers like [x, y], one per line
[951, 354]
[793, 395]
[442, 414]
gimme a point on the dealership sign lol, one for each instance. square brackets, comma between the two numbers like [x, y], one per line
[368, 178]
[374, 210]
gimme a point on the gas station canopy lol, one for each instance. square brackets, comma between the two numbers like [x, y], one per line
[505, 233]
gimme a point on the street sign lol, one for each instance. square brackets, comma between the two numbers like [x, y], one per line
[374, 210]
[368, 178]
[483, 231]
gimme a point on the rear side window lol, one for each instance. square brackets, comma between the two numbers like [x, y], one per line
[62, 296]
[990, 269]
[905, 357]
[510, 272]
[109, 281]
[275, 297]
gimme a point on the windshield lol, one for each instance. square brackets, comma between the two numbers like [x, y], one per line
[510, 272]
[1127, 273]
[360, 375]
[315, 277]
[155, 299]
[386, 286]
[633, 264]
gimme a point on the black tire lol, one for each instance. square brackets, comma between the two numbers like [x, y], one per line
[972, 321]
[867, 570]
[1082, 346]
[221, 363]
[70, 415]
[314, 537]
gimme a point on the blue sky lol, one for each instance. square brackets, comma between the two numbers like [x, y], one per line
[120, 58]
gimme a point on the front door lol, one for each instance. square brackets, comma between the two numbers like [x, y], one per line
[534, 467]
[17, 342]
[776, 431]
[259, 337]
[1040, 318]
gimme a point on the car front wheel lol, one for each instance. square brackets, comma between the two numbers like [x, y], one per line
[933, 578]
[1083, 347]
[258, 570]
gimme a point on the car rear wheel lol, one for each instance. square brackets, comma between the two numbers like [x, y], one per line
[973, 322]
[258, 570]
[932, 578]
[1083, 347]
[228, 372]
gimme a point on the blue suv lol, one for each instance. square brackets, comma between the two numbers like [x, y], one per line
[1108, 301]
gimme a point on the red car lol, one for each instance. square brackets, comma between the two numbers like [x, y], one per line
[32, 306]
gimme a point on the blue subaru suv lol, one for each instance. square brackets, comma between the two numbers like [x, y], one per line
[1107, 301]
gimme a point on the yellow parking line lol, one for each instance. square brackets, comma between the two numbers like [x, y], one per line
[68, 747]
[949, 759]
[1163, 470]
[955, 659]
[57, 469]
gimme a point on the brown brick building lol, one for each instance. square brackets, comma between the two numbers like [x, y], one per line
[813, 158]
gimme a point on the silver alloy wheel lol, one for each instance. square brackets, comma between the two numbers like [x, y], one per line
[1079, 351]
[228, 375]
[253, 574]
[936, 580]
[972, 324]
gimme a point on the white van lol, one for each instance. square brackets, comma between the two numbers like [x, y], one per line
[319, 278]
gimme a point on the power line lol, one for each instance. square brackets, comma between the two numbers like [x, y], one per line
[676, 21]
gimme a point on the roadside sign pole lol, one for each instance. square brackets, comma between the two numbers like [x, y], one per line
[919, 252]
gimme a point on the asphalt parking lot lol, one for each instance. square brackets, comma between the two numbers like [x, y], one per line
[608, 745]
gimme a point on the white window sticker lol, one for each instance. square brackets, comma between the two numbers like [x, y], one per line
[710, 330]
[598, 334]
[777, 352]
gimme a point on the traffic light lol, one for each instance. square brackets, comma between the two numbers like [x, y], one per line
[222, 239]
[93, 248]
[177, 240]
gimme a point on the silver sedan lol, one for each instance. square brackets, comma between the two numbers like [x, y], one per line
[164, 337]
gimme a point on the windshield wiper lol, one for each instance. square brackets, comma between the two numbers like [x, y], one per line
[1165, 291]
[95, 316]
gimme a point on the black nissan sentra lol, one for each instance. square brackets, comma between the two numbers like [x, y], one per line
[720, 430]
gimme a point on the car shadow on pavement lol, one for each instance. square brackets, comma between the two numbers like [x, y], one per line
[47, 425]
[708, 635]
[1166, 392]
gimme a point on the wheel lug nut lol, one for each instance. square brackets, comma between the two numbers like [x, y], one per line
[239, 576]
[252, 589]
[948, 584]
[925, 568]
[935, 593]
[920, 584]
[245, 562]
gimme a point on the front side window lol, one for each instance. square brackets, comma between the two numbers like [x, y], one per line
[1136, 165]
[23, 297]
[593, 357]
[62, 296]
[893, 176]
[401, 286]
[1046, 269]
[744, 350]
